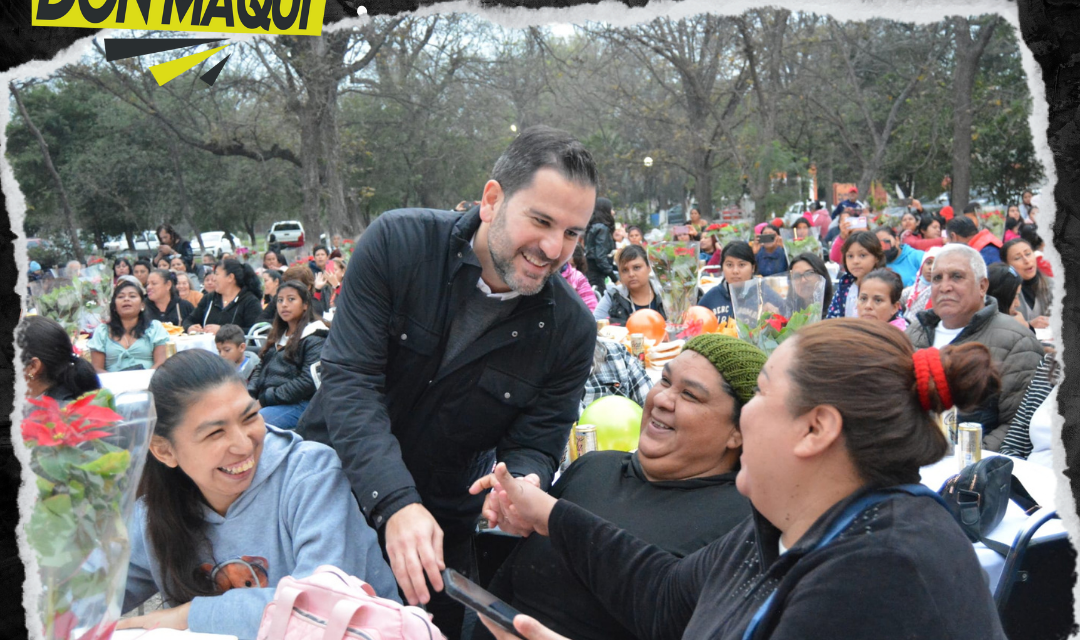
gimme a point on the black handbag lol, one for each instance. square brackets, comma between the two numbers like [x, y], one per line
[979, 495]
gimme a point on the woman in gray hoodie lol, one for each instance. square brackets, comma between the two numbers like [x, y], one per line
[228, 506]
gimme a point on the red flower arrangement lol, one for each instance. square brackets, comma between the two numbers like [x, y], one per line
[51, 426]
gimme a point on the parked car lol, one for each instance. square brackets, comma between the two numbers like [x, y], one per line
[146, 244]
[287, 233]
[216, 243]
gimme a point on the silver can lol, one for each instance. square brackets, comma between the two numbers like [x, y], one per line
[585, 438]
[637, 343]
[948, 421]
[969, 443]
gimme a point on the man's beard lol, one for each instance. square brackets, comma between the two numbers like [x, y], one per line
[891, 253]
[498, 248]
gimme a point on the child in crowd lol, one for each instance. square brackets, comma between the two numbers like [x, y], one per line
[230, 343]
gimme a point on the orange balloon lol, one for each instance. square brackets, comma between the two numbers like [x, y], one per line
[701, 315]
[648, 323]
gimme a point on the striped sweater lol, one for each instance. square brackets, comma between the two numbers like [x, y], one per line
[1017, 441]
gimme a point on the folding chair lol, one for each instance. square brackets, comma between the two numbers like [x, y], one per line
[316, 373]
[1034, 594]
[256, 335]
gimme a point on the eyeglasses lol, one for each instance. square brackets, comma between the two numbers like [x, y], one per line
[804, 276]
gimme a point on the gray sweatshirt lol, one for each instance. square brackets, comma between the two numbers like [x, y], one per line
[298, 513]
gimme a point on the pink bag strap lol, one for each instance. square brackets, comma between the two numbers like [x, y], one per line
[340, 618]
[284, 601]
[349, 580]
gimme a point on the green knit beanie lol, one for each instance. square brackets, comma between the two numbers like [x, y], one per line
[737, 361]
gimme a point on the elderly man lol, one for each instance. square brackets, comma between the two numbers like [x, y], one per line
[963, 313]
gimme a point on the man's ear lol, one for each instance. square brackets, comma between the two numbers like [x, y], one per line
[490, 201]
[984, 285]
[825, 424]
[163, 451]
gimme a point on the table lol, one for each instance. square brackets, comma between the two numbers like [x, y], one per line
[1040, 482]
[120, 381]
[203, 341]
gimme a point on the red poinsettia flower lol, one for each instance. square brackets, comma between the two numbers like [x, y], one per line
[693, 328]
[713, 227]
[724, 224]
[777, 322]
[684, 251]
[51, 426]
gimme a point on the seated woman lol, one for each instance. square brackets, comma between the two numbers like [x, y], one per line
[685, 466]
[1004, 287]
[163, 301]
[635, 289]
[226, 500]
[1031, 433]
[122, 267]
[927, 234]
[50, 366]
[271, 280]
[879, 298]
[179, 267]
[835, 539]
[130, 339]
[803, 283]
[321, 297]
[282, 381]
[186, 290]
[235, 299]
[861, 253]
[917, 297]
[1037, 289]
[737, 265]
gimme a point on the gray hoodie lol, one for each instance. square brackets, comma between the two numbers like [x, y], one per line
[298, 513]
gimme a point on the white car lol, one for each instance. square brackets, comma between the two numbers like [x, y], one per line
[286, 233]
[215, 242]
[146, 244]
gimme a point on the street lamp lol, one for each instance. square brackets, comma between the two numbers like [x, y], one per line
[513, 128]
[648, 183]
[648, 161]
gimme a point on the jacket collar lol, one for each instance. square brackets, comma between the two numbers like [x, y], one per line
[929, 319]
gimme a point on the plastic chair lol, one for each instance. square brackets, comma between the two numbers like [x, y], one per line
[256, 335]
[1034, 594]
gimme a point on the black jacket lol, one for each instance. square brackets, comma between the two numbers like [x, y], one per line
[183, 249]
[243, 312]
[599, 244]
[902, 570]
[276, 380]
[409, 429]
[177, 311]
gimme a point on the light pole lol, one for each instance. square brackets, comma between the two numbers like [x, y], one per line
[513, 128]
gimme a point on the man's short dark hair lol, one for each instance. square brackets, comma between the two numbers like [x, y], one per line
[971, 207]
[540, 147]
[229, 333]
[961, 227]
[319, 248]
[142, 262]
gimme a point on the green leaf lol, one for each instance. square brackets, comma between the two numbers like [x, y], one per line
[109, 464]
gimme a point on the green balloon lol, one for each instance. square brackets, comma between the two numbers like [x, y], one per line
[617, 420]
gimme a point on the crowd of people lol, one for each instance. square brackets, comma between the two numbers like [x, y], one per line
[432, 379]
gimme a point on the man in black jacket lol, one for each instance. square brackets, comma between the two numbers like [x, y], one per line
[453, 346]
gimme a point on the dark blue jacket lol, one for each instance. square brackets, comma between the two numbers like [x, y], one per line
[770, 264]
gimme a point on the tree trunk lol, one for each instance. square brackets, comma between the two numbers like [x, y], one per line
[69, 216]
[968, 52]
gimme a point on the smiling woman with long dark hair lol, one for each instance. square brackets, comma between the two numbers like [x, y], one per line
[129, 340]
[227, 501]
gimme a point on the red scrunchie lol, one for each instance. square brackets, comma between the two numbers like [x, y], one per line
[928, 365]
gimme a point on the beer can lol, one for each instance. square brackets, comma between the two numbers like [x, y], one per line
[602, 324]
[170, 349]
[948, 426]
[585, 438]
[969, 443]
[637, 343]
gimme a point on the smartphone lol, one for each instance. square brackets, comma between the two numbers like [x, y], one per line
[480, 600]
[858, 222]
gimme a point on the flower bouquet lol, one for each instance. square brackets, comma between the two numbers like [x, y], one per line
[995, 222]
[809, 244]
[769, 310]
[675, 265]
[87, 458]
[63, 304]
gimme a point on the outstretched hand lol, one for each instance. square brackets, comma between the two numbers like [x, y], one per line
[522, 505]
[492, 511]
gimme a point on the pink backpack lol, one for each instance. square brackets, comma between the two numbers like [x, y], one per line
[332, 605]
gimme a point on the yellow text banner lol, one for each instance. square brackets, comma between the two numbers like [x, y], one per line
[285, 17]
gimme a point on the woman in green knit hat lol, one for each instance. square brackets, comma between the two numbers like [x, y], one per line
[676, 491]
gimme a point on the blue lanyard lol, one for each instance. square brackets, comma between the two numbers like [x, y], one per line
[854, 510]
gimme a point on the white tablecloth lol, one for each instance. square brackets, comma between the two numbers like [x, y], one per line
[203, 341]
[1037, 479]
[121, 381]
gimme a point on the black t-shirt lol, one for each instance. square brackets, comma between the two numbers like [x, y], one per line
[679, 516]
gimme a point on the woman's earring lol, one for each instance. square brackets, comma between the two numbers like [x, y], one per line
[30, 375]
